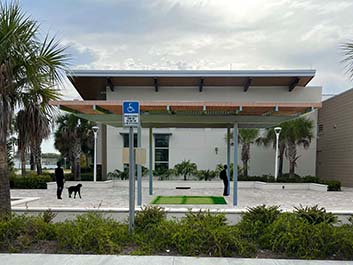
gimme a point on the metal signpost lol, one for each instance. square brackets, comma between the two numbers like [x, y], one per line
[131, 113]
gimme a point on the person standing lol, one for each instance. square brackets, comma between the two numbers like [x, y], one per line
[59, 178]
[223, 176]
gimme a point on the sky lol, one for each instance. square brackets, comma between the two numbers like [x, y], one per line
[201, 34]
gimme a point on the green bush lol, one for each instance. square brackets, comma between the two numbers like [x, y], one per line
[292, 235]
[91, 233]
[310, 179]
[166, 174]
[30, 181]
[186, 168]
[203, 233]
[315, 215]
[257, 219]
[206, 174]
[153, 232]
[344, 242]
[150, 215]
[332, 185]
[20, 232]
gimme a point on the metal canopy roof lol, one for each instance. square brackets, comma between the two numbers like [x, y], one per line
[92, 84]
[188, 114]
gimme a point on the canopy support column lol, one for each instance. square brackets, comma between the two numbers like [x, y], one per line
[228, 159]
[150, 162]
[139, 171]
[235, 165]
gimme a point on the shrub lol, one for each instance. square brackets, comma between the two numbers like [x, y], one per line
[203, 233]
[166, 174]
[156, 236]
[185, 168]
[332, 185]
[150, 215]
[311, 179]
[344, 239]
[30, 181]
[19, 232]
[295, 237]
[206, 174]
[91, 233]
[257, 219]
[315, 215]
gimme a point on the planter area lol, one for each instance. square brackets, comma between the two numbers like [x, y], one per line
[279, 186]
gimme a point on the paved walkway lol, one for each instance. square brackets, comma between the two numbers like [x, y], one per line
[117, 197]
[43, 259]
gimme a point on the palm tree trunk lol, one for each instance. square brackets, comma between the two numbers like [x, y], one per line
[76, 152]
[282, 149]
[245, 156]
[23, 162]
[5, 204]
[31, 160]
[72, 163]
[292, 156]
[38, 158]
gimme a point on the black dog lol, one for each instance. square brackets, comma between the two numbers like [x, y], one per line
[75, 189]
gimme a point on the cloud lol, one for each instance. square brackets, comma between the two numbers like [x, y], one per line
[209, 34]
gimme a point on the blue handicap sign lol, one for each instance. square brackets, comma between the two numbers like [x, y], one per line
[131, 107]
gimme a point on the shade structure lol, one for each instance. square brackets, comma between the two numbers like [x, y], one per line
[189, 114]
[194, 99]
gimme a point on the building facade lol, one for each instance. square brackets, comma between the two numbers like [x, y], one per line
[190, 112]
[335, 141]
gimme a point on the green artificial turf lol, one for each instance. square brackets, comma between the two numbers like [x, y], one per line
[189, 200]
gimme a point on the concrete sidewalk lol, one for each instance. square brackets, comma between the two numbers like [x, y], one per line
[43, 259]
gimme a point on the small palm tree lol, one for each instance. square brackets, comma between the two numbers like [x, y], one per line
[246, 137]
[185, 168]
[297, 132]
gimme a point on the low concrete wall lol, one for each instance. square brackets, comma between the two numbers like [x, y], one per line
[86, 184]
[194, 184]
[121, 214]
[289, 186]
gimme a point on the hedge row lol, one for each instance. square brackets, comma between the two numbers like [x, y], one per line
[306, 233]
[30, 181]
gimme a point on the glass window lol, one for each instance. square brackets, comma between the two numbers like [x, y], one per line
[161, 152]
[161, 140]
[161, 155]
[126, 139]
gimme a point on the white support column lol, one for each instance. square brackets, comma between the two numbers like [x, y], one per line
[139, 171]
[131, 180]
[150, 147]
[228, 159]
[235, 166]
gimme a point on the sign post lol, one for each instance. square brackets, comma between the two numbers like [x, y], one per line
[131, 113]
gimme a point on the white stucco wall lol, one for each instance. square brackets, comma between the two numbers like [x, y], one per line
[218, 94]
[199, 145]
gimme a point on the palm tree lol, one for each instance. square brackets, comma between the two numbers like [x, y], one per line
[246, 137]
[71, 136]
[348, 57]
[25, 63]
[297, 132]
[185, 168]
[37, 119]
